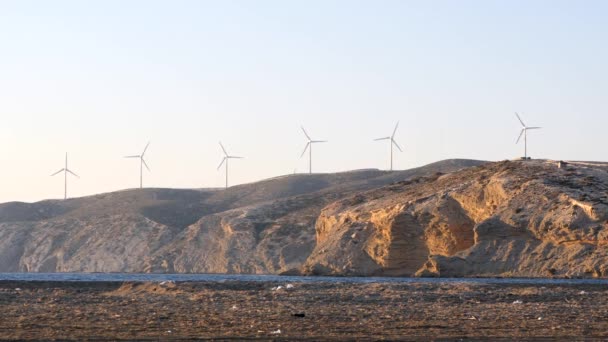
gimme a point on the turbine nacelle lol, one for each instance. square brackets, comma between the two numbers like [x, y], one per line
[226, 158]
[68, 171]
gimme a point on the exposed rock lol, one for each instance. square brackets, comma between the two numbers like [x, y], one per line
[263, 227]
[523, 218]
[527, 219]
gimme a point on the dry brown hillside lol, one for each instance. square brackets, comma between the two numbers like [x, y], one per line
[512, 218]
[263, 227]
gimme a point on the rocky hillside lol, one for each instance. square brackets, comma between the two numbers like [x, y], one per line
[263, 227]
[512, 218]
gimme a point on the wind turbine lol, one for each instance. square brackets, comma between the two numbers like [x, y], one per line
[225, 160]
[392, 142]
[65, 171]
[309, 148]
[524, 132]
[142, 163]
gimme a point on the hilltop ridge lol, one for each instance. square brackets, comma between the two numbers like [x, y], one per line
[454, 218]
[262, 227]
[511, 218]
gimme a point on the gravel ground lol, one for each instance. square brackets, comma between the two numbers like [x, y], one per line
[238, 310]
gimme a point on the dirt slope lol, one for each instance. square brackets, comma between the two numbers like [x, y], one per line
[272, 236]
[529, 219]
[263, 227]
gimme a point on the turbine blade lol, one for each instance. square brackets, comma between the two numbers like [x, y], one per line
[306, 134]
[520, 120]
[234, 157]
[386, 138]
[222, 163]
[70, 171]
[305, 148]
[520, 134]
[395, 130]
[145, 148]
[394, 142]
[318, 141]
[132, 156]
[146, 165]
[533, 127]
[223, 149]
[60, 171]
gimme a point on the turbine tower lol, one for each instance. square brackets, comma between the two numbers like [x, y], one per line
[524, 132]
[142, 163]
[309, 148]
[225, 160]
[65, 171]
[392, 142]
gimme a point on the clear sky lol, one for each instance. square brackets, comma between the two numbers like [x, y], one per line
[99, 79]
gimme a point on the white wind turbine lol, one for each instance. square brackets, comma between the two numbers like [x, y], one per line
[142, 163]
[225, 160]
[65, 171]
[392, 142]
[309, 148]
[524, 132]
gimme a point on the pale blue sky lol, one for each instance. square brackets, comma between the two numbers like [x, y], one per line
[100, 78]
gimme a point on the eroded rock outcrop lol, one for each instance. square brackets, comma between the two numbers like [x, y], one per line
[263, 227]
[527, 219]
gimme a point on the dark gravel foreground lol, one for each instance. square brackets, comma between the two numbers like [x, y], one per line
[239, 310]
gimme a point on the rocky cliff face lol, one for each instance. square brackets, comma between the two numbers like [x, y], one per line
[519, 218]
[525, 219]
[263, 227]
